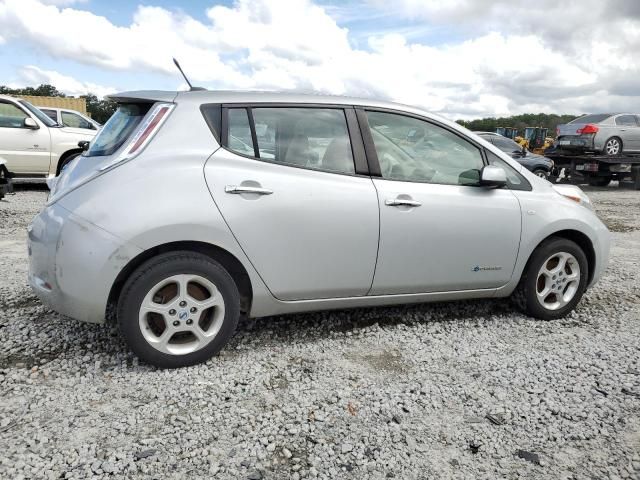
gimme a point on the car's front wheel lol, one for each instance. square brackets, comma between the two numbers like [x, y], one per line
[540, 172]
[178, 309]
[554, 279]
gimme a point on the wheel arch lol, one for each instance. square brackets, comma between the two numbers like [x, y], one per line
[64, 156]
[576, 236]
[235, 268]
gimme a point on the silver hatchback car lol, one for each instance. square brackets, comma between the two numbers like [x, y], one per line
[191, 209]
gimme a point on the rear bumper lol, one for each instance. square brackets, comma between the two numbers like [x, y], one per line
[576, 142]
[73, 263]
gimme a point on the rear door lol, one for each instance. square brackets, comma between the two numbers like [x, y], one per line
[439, 231]
[629, 132]
[292, 185]
[26, 150]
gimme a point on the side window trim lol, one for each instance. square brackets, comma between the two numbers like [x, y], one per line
[372, 155]
[361, 165]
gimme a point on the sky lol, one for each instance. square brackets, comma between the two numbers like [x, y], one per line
[462, 59]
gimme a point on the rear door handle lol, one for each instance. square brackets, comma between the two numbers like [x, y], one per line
[402, 202]
[246, 189]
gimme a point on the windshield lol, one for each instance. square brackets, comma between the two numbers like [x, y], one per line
[118, 129]
[41, 116]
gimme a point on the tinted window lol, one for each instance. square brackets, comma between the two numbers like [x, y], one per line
[414, 150]
[75, 121]
[626, 120]
[506, 144]
[515, 181]
[11, 116]
[52, 114]
[315, 138]
[118, 129]
[596, 118]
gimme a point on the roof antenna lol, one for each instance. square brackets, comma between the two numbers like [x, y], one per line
[191, 87]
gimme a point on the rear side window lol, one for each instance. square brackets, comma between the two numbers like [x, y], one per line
[626, 120]
[596, 118]
[315, 138]
[118, 129]
[73, 120]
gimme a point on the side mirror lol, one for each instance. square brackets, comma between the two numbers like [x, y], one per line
[493, 177]
[84, 145]
[30, 123]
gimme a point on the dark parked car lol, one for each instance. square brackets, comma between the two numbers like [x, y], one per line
[539, 165]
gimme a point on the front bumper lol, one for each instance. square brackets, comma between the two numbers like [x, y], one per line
[601, 246]
[73, 263]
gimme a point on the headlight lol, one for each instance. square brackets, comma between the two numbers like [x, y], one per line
[574, 193]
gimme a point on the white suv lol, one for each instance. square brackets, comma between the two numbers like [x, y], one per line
[33, 145]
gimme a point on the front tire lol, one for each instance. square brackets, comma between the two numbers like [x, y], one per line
[554, 279]
[539, 172]
[178, 309]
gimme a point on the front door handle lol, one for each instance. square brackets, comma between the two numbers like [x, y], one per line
[402, 202]
[246, 189]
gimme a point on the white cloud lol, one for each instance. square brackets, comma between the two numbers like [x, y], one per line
[33, 75]
[512, 62]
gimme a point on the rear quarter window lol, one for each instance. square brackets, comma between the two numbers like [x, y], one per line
[118, 129]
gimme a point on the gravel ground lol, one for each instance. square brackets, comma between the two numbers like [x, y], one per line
[459, 390]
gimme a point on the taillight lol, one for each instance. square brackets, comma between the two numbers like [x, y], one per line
[148, 128]
[588, 128]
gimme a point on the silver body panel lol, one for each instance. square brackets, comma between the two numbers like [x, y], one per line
[319, 241]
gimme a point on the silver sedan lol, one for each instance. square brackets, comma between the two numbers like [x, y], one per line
[606, 133]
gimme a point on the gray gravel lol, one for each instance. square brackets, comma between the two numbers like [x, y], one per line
[370, 393]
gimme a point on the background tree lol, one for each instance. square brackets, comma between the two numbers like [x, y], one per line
[99, 109]
[550, 121]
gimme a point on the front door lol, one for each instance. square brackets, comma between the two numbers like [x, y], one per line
[287, 188]
[439, 230]
[26, 150]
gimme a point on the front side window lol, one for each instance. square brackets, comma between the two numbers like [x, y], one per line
[118, 129]
[11, 116]
[414, 150]
[75, 121]
[626, 120]
[515, 181]
[315, 138]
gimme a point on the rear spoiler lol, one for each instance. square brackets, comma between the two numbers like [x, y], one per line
[143, 96]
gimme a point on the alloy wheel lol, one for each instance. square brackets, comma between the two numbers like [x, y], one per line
[558, 280]
[612, 146]
[181, 314]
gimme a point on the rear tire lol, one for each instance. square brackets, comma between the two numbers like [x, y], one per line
[599, 181]
[178, 309]
[612, 147]
[553, 281]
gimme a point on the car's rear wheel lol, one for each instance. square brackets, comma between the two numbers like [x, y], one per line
[613, 146]
[554, 279]
[178, 309]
